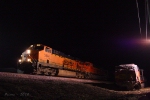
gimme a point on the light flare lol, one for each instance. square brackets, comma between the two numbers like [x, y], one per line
[19, 60]
[28, 51]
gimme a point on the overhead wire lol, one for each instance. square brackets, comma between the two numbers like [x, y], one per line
[148, 14]
[148, 11]
[139, 17]
[146, 18]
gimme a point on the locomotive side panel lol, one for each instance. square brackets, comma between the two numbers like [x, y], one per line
[80, 66]
[43, 58]
[69, 64]
[74, 66]
[56, 61]
[46, 58]
[88, 67]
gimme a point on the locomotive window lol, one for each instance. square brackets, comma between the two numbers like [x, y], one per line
[61, 54]
[47, 50]
[55, 52]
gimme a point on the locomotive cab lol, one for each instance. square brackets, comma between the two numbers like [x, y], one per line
[29, 58]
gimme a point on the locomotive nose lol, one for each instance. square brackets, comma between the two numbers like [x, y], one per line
[26, 67]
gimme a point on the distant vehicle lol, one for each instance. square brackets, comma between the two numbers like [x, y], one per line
[129, 76]
[41, 59]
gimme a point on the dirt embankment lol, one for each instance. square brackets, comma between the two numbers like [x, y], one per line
[21, 86]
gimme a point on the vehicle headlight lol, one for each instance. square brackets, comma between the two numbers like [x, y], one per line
[19, 60]
[28, 51]
[28, 60]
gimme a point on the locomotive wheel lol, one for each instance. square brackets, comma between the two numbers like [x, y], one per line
[77, 75]
[87, 75]
[54, 72]
[57, 71]
[49, 73]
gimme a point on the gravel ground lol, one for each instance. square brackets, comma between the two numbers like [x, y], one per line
[21, 86]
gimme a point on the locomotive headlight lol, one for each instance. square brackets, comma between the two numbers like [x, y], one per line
[28, 51]
[28, 60]
[19, 60]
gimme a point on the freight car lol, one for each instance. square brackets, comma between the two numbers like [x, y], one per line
[42, 59]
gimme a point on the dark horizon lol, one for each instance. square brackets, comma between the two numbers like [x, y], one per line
[104, 33]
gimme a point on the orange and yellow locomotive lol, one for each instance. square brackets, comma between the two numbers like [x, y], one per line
[41, 59]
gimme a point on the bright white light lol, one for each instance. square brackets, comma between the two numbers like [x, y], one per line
[148, 41]
[29, 60]
[145, 41]
[38, 44]
[19, 60]
[28, 51]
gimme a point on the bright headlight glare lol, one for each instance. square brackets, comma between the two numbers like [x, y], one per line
[28, 51]
[29, 59]
[19, 60]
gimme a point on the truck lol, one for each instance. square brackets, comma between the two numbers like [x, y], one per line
[129, 76]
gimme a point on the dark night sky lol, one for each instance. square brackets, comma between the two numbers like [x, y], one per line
[101, 32]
